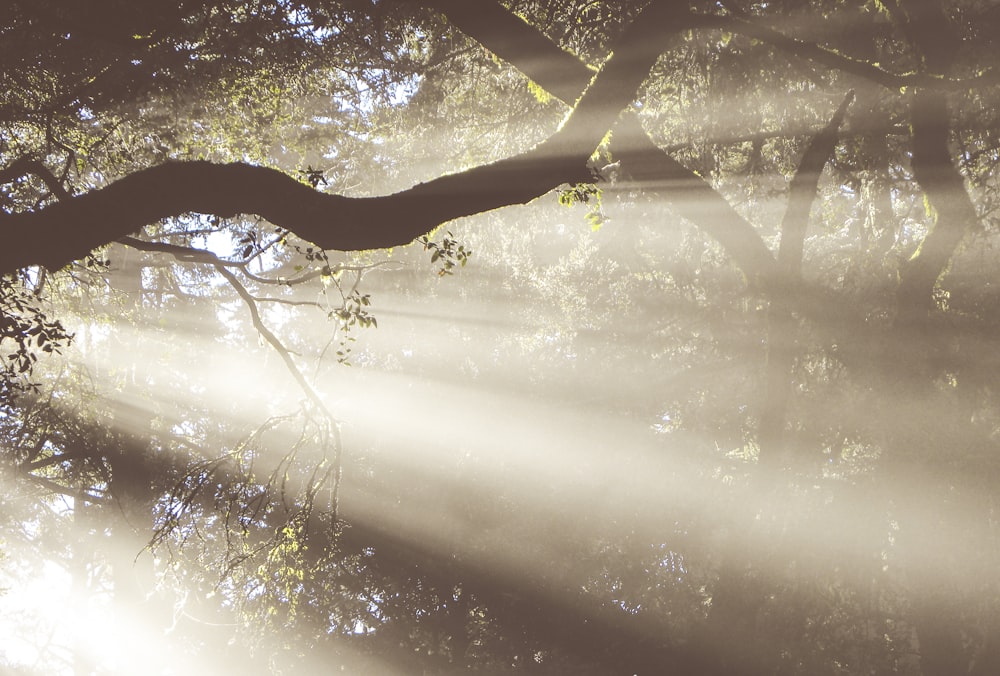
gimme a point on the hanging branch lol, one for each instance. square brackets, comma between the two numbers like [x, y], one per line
[222, 267]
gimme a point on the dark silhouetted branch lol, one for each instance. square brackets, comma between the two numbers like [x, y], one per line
[29, 165]
[951, 210]
[58, 234]
[781, 325]
[802, 192]
[564, 76]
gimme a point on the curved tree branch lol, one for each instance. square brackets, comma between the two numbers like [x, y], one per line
[58, 234]
[951, 210]
[29, 165]
[802, 192]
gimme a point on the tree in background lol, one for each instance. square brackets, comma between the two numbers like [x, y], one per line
[732, 411]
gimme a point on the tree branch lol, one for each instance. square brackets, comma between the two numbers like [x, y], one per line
[53, 459]
[493, 26]
[222, 267]
[564, 75]
[802, 192]
[774, 450]
[29, 165]
[951, 210]
[836, 60]
[60, 233]
[59, 489]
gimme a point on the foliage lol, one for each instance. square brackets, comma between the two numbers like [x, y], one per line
[448, 251]
[25, 331]
[600, 449]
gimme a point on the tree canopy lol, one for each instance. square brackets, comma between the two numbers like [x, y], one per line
[543, 336]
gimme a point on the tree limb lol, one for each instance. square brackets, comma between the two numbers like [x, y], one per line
[29, 165]
[802, 192]
[950, 208]
[60, 233]
[781, 326]
[565, 76]
[59, 489]
[837, 61]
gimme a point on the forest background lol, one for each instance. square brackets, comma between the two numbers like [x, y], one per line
[541, 336]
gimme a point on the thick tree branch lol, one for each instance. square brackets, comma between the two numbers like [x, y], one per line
[802, 192]
[565, 76]
[562, 74]
[694, 199]
[493, 26]
[60, 233]
[951, 210]
[781, 326]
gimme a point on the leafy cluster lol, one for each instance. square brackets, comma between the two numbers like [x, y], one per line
[25, 330]
[353, 313]
[448, 251]
[355, 310]
[589, 194]
[314, 177]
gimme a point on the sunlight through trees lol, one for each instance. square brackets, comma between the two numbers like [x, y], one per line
[499, 336]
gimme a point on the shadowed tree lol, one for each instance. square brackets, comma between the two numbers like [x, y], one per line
[743, 419]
